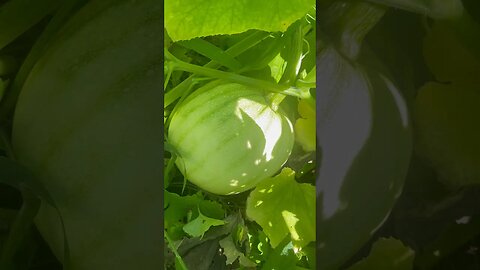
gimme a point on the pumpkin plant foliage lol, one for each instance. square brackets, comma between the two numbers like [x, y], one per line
[233, 83]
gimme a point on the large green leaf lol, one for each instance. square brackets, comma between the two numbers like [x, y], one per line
[284, 207]
[187, 19]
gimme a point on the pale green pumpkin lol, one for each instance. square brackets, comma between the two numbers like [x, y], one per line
[228, 138]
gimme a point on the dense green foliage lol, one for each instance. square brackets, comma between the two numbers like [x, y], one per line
[235, 101]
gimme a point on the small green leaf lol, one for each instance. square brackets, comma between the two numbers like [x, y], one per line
[201, 224]
[232, 253]
[387, 254]
[284, 207]
[277, 67]
[177, 209]
[187, 19]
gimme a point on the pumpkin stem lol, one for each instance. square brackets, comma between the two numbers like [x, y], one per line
[275, 100]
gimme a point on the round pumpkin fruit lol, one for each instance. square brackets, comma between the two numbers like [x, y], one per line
[228, 138]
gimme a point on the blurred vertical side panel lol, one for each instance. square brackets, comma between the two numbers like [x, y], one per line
[88, 124]
[363, 133]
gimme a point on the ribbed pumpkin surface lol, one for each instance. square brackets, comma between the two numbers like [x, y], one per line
[229, 138]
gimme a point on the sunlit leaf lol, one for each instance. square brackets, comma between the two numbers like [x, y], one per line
[187, 19]
[305, 127]
[277, 67]
[284, 207]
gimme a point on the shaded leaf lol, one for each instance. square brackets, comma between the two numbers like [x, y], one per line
[232, 253]
[282, 257]
[202, 256]
[258, 246]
